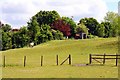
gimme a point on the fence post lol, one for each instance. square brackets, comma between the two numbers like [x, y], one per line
[4, 61]
[116, 59]
[41, 60]
[69, 59]
[24, 61]
[104, 59]
[90, 59]
[57, 59]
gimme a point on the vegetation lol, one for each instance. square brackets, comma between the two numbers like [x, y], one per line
[48, 25]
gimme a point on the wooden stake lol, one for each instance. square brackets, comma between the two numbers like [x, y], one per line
[90, 59]
[104, 59]
[41, 60]
[116, 59]
[57, 59]
[69, 59]
[24, 61]
[4, 61]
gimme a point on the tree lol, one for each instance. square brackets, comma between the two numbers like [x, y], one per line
[91, 24]
[57, 35]
[6, 28]
[6, 40]
[112, 18]
[101, 30]
[46, 34]
[72, 24]
[61, 26]
[39, 26]
[5, 36]
[16, 40]
[47, 17]
[108, 29]
[24, 37]
[34, 29]
[1, 24]
[81, 28]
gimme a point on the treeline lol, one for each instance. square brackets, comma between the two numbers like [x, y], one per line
[48, 25]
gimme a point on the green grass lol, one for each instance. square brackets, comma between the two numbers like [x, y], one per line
[79, 49]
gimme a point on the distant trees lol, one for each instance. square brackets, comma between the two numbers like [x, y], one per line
[40, 29]
[48, 25]
[100, 30]
[6, 37]
[108, 28]
[6, 28]
[112, 18]
[47, 17]
[91, 24]
[20, 38]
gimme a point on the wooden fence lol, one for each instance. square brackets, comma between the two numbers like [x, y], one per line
[41, 60]
[103, 57]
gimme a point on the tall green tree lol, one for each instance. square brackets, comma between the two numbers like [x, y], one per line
[101, 30]
[91, 24]
[46, 34]
[24, 37]
[47, 17]
[16, 40]
[6, 36]
[112, 18]
[6, 40]
[6, 28]
[34, 29]
[107, 29]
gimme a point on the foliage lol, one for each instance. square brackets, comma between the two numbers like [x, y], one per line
[108, 29]
[91, 24]
[6, 28]
[112, 18]
[33, 28]
[57, 35]
[81, 28]
[46, 33]
[61, 26]
[47, 17]
[90, 36]
[6, 40]
[48, 25]
[100, 30]
[6, 37]
[72, 24]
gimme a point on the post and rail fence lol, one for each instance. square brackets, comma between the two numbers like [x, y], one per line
[100, 58]
[103, 57]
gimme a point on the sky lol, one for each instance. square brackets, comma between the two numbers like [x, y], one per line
[18, 12]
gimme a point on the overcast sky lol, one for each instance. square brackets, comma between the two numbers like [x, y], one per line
[18, 12]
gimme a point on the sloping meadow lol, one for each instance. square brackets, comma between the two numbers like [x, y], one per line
[79, 51]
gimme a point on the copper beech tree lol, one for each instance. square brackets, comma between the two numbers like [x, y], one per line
[61, 26]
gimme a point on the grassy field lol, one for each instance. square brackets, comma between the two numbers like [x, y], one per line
[79, 49]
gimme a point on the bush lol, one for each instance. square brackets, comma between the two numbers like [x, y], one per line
[92, 36]
[57, 35]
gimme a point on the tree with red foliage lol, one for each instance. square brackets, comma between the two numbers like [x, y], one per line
[61, 26]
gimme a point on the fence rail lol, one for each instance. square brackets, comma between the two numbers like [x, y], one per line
[103, 57]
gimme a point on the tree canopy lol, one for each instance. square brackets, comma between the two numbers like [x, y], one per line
[48, 25]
